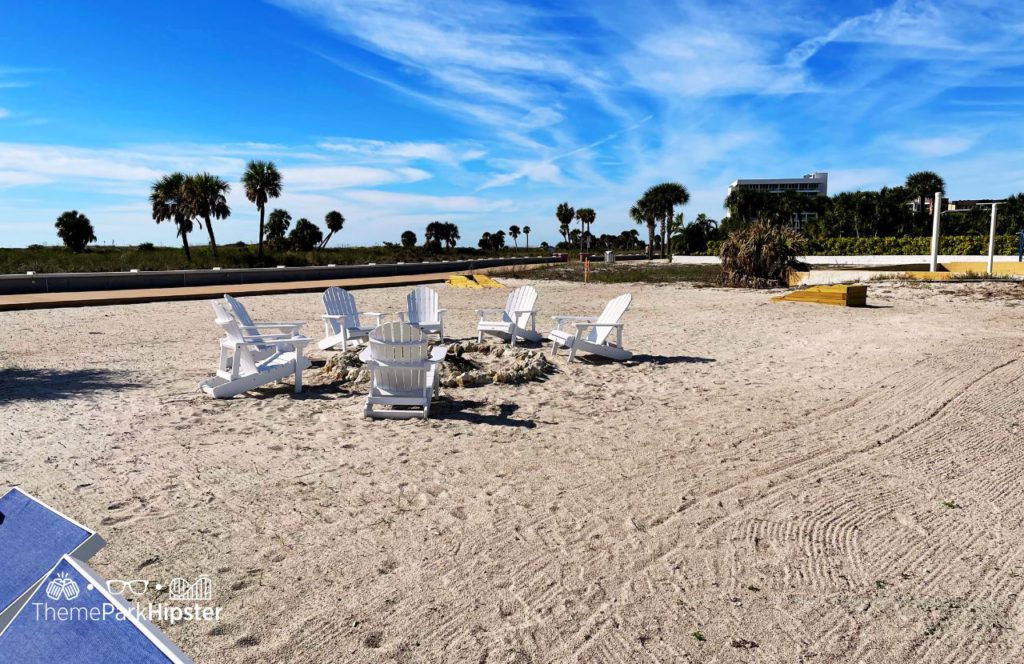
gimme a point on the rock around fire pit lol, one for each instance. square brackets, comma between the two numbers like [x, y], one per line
[467, 364]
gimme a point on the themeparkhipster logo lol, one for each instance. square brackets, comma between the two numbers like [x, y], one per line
[183, 603]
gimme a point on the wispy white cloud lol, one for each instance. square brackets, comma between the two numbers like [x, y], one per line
[444, 153]
[939, 146]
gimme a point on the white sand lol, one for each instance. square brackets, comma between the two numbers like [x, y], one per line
[768, 473]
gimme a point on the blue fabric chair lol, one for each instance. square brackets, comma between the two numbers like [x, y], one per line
[33, 538]
[72, 617]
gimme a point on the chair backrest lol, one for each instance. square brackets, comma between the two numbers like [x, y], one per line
[423, 306]
[233, 333]
[398, 343]
[403, 348]
[521, 299]
[612, 313]
[240, 312]
[339, 302]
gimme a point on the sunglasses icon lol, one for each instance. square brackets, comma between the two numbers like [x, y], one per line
[137, 586]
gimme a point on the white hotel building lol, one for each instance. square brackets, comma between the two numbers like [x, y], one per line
[813, 184]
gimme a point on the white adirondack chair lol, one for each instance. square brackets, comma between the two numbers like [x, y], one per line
[592, 332]
[241, 370]
[341, 320]
[423, 311]
[516, 320]
[403, 372]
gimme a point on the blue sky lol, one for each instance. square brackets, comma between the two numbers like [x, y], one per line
[488, 114]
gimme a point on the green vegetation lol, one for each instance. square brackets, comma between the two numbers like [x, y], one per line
[957, 245]
[148, 257]
[629, 272]
[306, 236]
[334, 221]
[262, 181]
[760, 255]
[586, 217]
[890, 221]
[168, 199]
[206, 196]
[75, 230]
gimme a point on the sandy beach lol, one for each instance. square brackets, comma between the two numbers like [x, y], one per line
[763, 482]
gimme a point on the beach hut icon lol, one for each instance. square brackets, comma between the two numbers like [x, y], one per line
[200, 590]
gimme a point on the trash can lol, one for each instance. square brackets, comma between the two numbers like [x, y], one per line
[609, 257]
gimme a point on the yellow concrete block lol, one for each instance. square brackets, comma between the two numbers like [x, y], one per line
[487, 282]
[841, 295]
[460, 281]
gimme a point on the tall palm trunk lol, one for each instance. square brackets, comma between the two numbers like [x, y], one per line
[213, 240]
[651, 230]
[263, 208]
[184, 245]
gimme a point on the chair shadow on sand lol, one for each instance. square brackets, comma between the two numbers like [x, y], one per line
[17, 384]
[669, 359]
[461, 409]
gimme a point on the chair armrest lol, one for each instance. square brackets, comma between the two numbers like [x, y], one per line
[483, 313]
[370, 313]
[582, 318]
[260, 338]
[525, 311]
[298, 342]
[583, 326]
[274, 325]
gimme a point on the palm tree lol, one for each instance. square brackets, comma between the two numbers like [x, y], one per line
[451, 234]
[663, 199]
[277, 228]
[565, 215]
[169, 199]
[586, 217]
[643, 213]
[513, 232]
[262, 182]
[923, 185]
[334, 221]
[206, 196]
[526, 232]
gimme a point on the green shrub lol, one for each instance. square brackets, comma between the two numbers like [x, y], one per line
[146, 246]
[956, 245]
[760, 255]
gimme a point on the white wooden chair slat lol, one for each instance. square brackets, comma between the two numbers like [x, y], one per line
[423, 311]
[404, 372]
[244, 367]
[342, 319]
[592, 332]
[517, 319]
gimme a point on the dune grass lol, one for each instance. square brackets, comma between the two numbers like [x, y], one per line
[631, 272]
[119, 259]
